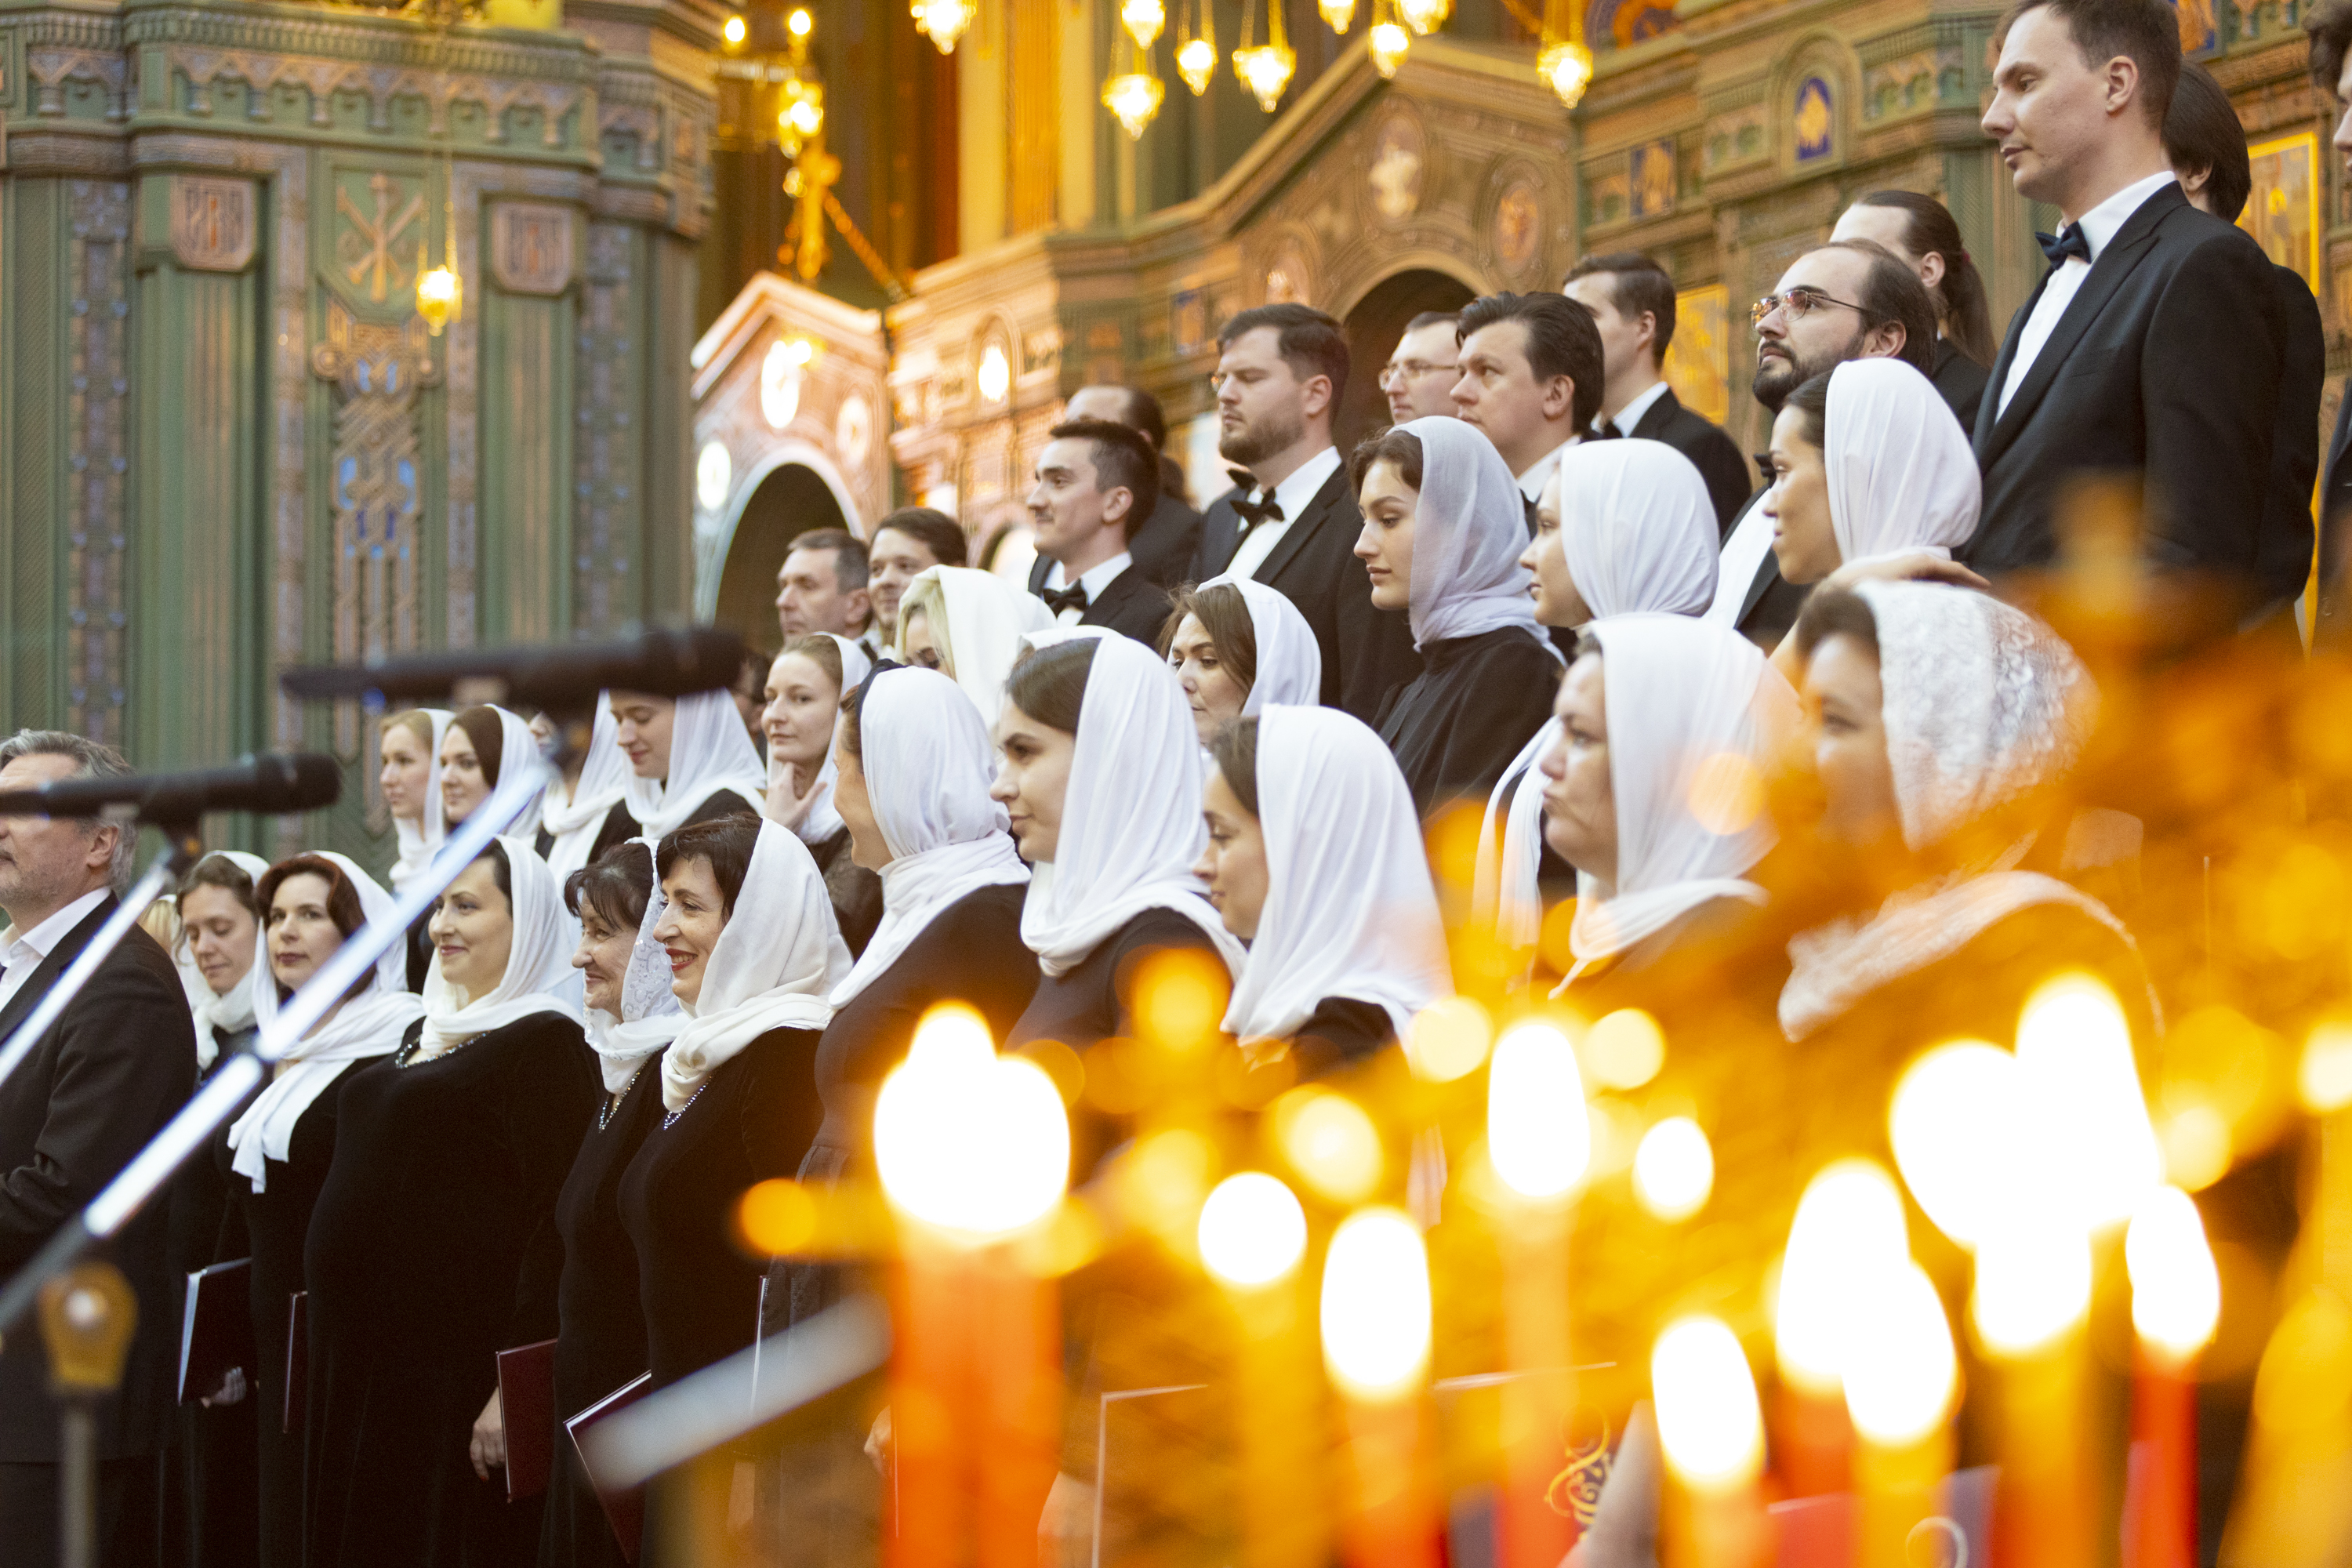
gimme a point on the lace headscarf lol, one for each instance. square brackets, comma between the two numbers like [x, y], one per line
[710, 753]
[650, 1016]
[1902, 476]
[1289, 659]
[984, 617]
[419, 840]
[574, 823]
[1469, 530]
[1637, 528]
[221, 1013]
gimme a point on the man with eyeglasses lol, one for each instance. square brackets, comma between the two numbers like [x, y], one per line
[1849, 300]
[1418, 380]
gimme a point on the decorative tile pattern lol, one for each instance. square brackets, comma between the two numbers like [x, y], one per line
[98, 457]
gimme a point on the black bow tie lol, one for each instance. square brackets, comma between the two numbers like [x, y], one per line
[1073, 598]
[1606, 431]
[1253, 512]
[2068, 241]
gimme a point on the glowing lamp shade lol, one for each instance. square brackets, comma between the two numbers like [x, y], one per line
[1265, 71]
[1330, 1142]
[1376, 1308]
[1251, 1230]
[1708, 1420]
[1567, 70]
[1847, 1234]
[714, 471]
[1424, 16]
[734, 31]
[2098, 1149]
[2034, 1284]
[1387, 43]
[439, 297]
[995, 373]
[1142, 19]
[1901, 1367]
[1674, 1169]
[2176, 1288]
[971, 1142]
[943, 21]
[1337, 15]
[800, 22]
[1955, 1124]
[1133, 99]
[1196, 62]
[1538, 1132]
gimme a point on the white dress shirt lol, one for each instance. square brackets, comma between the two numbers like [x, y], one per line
[1292, 496]
[20, 955]
[1532, 482]
[2099, 226]
[1095, 580]
[1630, 415]
[1743, 556]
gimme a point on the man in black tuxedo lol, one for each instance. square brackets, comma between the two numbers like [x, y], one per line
[2155, 347]
[1849, 300]
[2206, 144]
[1632, 302]
[100, 1083]
[1291, 522]
[1097, 481]
[1163, 546]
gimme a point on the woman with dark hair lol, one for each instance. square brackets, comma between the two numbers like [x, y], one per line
[600, 1339]
[805, 691]
[220, 943]
[478, 742]
[275, 1157]
[1921, 232]
[753, 954]
[1444, 526]
[433, 1245]
[1236, 646]
[690, 759]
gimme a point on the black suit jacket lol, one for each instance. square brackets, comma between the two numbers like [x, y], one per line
[1367, 653]
[2334, 627]
[2166, 363]
[1715, 454]
[1961, 380]
[2283, 564]
[100, 1083]
[1133, 605]
[1163, 546]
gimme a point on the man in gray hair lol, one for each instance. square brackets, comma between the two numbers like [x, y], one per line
[101, 1082]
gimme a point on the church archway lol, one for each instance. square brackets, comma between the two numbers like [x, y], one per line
[1372, 329]
[793, 499]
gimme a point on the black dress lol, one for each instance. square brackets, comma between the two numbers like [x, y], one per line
[208, 1515]
[271, 1226]
[971, 952]
[752, 1120]
[431, 1248]
[1961, 381]
[1457, 725]
[600, 1344]
[855, 892]
[1341, 1032]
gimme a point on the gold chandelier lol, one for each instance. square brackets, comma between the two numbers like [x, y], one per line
[1134, 95]
[1564, 64]
[943, 21]
[1196, 52]
[1264, 68]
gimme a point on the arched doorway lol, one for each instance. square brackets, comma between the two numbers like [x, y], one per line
[791, 501]
[1372, 329]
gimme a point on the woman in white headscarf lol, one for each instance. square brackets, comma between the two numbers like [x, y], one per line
[275, 1155]
[219, 945]
[411, 782]
[690, 760]
[968, 625]
[1101, 780]
[583, 816]
[433, 1245]
[1315, 860]
[1236, 646]
[1622, 528]
[1444, 526]
[753, 955]
[600, 1340]
[475, 750]
[915, 766]
[806, 684]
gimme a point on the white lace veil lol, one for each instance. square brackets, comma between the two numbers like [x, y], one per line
[650, 1016]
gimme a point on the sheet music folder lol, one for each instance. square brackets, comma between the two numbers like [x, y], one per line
[624, 1507]
[527, 1406]
[216, 1328]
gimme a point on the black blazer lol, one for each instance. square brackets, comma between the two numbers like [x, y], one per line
[1367, 653]
[2166, 363]
[1132, 606]
[2283, 560]
[1715, 454]
[1163, 546]
[2334, 627]
[1961, 380]
[100, 1083]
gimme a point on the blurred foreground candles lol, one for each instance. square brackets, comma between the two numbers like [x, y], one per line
[1375, 1326]
[974, 1152]
[1252, 1236]
[1712, 1431]
[1848, 1233]
[1900, 1372]
[2176, 1304]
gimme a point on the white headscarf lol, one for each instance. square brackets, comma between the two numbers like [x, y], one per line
[539, 963]
[367, 1025]
[1289, 659]
[1637, 528]
[1469, 530]
[604, 782]
[515, 742]
[228, 1012]
[1349, 907]
[822, 818]
[1902, 475]
[986, 619]
[709, 751]
[1131, 823]
[418, 840]
[927, 763]
[650, 1016]
[1682, 695]
[777, 955]
[1982, 703]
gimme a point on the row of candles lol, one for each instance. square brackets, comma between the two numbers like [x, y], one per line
[2025, 1158]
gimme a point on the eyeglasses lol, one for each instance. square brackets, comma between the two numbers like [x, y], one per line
[1413, 370]
[1797, 303]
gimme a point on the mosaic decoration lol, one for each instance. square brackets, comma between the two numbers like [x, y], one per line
[212, 226]
[604, 455]
[1698, 362]
[98, 457]
[2282, 212]
[1814, 121]
[1398, 161]
[1518, 226]
[1650, 179]
[1625, 23]
[378, 234]
[2200, 27]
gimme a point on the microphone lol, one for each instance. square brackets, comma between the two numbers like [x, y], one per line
[552, 675]
[273, 783]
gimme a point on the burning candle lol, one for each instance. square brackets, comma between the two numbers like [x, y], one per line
[1712, 1431]
[1899, 1374]
[2176, 1304]
[1848, 1231]
[1251, 1236]
[1376, 1325]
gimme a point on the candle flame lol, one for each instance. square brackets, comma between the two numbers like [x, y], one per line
[1901, 1368]
[2176, 1288]
[2098, 1147]
[1954, 1124]
[1538, 1133]
[1674, 1169]
[1708, 1420]
[1253, 1231]
[1376, 1305]
[967, 1140]
[2034, 1283]
[1848, 1231]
